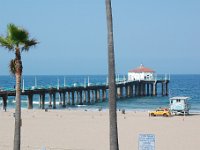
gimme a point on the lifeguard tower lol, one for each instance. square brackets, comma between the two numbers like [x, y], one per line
[179, 105]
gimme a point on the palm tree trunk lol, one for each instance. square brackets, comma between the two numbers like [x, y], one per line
[18, 67]
[112, 86]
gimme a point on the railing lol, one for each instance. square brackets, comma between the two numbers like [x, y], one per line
[86, 84]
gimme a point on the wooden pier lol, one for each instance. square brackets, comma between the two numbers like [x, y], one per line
[85, 95]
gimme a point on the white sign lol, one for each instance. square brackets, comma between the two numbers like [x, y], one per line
[146, 142]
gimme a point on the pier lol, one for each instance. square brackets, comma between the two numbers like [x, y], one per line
[88, 94]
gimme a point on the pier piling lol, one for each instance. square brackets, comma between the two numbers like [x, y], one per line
[30, 101]
[54, 100]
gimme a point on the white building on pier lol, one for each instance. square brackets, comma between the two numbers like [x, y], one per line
[141, 73]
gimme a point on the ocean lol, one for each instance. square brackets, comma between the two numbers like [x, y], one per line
[180, 85]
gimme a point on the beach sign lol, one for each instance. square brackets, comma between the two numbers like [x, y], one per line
[146, 142]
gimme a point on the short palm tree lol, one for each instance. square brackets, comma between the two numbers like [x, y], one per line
[112, 85]
[17, 40]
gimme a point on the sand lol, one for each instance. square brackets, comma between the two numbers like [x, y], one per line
[88, 130]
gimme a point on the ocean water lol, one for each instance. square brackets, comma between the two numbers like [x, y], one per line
[180, 85]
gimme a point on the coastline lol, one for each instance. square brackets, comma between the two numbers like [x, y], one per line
[88, 130]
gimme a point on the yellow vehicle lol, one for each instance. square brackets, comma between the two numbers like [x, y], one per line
[160, 112]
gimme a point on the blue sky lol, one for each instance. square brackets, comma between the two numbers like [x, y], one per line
[163, 35]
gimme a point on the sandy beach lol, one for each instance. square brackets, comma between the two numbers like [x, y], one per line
[88, 130]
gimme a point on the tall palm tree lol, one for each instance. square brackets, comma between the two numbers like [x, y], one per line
[17, 40]
[112, 86]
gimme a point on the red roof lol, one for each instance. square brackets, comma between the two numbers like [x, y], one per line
[141, 68]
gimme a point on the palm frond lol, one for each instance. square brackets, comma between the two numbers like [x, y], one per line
[11, 28]
[28, 44]
[16, 34]
[17, 37]
[12, 67]
[5, 42]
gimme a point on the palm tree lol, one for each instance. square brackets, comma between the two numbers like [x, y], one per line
[112, 86]
[17, 40]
